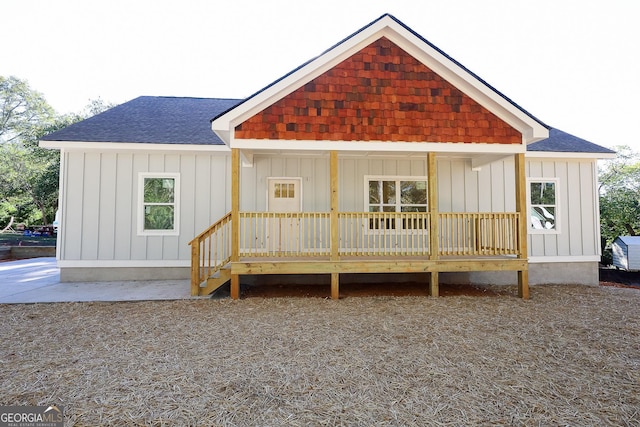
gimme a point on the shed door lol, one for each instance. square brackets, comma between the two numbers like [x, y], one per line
[284, 197]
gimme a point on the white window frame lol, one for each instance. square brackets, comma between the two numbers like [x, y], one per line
[176, 204]
[398, 205]
[556, 183]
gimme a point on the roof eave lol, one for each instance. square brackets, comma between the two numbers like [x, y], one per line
[569, 154]
[129, 146]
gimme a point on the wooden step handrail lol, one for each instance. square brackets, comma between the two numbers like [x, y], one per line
[210, 251]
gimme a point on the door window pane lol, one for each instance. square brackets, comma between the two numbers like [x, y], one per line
[284, 190]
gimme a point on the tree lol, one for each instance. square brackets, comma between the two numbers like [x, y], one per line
[620, 196]
[29, 174]
[21, 109]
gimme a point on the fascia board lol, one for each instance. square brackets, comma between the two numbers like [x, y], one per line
[130, 146]
[377, 146]
[547, 155]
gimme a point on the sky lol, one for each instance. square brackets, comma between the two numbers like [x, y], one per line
[573, 64]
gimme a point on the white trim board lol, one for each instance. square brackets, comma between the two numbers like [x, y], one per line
[111, 263]
[549, 155]
[131, 146]
[187, 263]
[568, 258]
[377, 146]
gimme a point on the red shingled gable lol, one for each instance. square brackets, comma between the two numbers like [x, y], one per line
[379, 94]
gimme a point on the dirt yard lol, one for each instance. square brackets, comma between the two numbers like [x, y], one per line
[568, 356]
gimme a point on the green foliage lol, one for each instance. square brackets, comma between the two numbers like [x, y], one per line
[22, 110]
[620, 196]
[29, 175]
[158, 190]
[158, 217]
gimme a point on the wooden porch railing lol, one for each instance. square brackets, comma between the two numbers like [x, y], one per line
[478, 234]
[308, 234]
[292, 234]
[384, 233]
[210, 251]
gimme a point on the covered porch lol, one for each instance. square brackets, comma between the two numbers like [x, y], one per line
[337, 242]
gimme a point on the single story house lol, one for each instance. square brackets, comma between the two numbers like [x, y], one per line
[381, 155]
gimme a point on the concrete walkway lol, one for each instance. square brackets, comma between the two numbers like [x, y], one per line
[38, 280]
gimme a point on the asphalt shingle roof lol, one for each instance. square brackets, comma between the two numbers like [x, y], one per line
[168, 120]
[151, 119]
[562, 142]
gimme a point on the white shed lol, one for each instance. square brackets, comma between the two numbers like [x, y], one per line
[626, 252]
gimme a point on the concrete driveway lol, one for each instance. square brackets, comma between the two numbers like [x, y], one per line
[38, 280]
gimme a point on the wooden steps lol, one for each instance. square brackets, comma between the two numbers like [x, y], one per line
[214, 282]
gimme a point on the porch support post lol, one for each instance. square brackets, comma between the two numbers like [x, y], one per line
[521, 208]
[335, 237]
[195, 269]
[235, 219]
[434, 226]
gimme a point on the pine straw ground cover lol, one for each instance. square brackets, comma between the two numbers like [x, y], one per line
[568, 356]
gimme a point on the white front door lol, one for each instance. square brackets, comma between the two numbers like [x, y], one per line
[284, 196]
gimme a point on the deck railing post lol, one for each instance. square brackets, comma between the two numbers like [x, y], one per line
[335, 236]
[434, 222]
[521, 207]
[235, 219]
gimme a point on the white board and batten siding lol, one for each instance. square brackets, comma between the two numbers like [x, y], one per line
[626, 252]
[461, 189]
[100, 204]
[578, 219]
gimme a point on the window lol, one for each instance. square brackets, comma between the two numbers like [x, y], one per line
[284, 191]
[543, 206]
[158, 198]
[393, 194]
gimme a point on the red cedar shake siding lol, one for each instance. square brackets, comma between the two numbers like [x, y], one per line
[379, 94]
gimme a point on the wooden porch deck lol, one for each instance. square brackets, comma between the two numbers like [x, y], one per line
[378, 264]
[334, 242]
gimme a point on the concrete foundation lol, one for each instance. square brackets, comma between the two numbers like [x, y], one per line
[582, 273]
[550, 273]
[116, 274]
